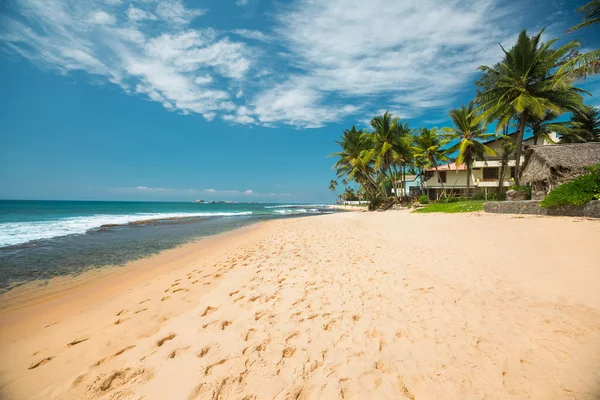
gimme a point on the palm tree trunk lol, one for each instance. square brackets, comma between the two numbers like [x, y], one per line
[393, 179]
[501, 180]
[439, 179]
[404, 179]
[519, 147]
[370, 178]
[469, 171]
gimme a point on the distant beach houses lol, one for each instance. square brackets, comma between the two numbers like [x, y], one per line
[485, 176]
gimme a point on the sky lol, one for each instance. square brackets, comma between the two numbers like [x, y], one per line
[176, 100]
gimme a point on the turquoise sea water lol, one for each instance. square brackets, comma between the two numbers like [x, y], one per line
[44, 239]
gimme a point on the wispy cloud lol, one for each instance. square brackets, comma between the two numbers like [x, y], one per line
[314, 62]
[147, 48]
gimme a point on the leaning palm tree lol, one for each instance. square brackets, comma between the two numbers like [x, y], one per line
[507, 148]
[355, 160]
[333, 186]
[584, 126]
[430, 147]
[467, 135]
[525, 86]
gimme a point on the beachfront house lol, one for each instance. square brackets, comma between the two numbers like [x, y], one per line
[485, 177]
[546, 167]
[411, 184]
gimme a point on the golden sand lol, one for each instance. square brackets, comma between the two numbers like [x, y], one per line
[354, 306]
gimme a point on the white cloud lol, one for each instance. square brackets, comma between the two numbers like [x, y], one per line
[174, 11]
[241, 3]
[331, 60]
[101, 18]
[252, 34]
[135, 14]
[169, 63]
[413, 56]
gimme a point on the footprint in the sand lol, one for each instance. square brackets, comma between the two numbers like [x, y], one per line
[208, 368]
[41, 362]
[208, 310]
[249, 334]
[166, 338]
[77, 341]
[204, 351]
[143, 301]
[225, 324]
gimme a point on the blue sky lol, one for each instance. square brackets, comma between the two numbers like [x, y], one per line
[240, 99]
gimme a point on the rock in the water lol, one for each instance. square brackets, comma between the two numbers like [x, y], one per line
[516, 195]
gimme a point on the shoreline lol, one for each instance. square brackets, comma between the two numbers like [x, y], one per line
[47, 291]
[336, 306]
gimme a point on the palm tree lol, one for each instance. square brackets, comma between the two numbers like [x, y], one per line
[429, 146]
[333, 186]
[588, 63]
[355, 159]
[507, 148]
[468, 134]
[525, 87]
[383, 140]
[584, 126]
[543, 127]
[403, 148]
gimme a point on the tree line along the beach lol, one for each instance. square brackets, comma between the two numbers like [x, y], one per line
[528, 90]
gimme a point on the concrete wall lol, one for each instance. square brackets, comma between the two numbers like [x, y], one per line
[591, 209]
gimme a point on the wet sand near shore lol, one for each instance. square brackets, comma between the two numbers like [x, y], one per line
[353, 305]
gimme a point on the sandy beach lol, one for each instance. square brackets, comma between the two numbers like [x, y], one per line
[346, 306]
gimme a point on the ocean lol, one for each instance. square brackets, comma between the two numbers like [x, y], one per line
[40, 240]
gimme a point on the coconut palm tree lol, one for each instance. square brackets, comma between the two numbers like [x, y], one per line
[403, 147]
[543, 127]
[355, 159]
[383, 140]
[507, 148]
[333, 186]
[588, 63]
[467, 135]
[584, 126]
[525, 86]
[429, 146]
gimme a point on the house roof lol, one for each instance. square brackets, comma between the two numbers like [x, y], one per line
[409, 178]
[448, 167]
[560, 162]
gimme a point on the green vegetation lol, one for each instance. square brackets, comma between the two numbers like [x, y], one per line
[576, 192]
[530, 87]
[423, 199]
[453, 207]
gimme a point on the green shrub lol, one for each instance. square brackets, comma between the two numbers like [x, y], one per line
[575, 193]
[423, 199]
[496, 196]
[478, 196]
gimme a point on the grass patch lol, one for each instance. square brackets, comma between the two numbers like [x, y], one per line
[456, 207]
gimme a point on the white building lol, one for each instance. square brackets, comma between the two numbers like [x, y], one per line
[485, 176]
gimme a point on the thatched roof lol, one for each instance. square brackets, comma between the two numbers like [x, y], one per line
[558, 163]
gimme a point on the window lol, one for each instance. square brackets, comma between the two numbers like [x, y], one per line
[442, 176]
[490, 174]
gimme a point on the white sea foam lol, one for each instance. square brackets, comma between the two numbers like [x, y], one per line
[296, 206]
[12, 233]
[291, 211]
